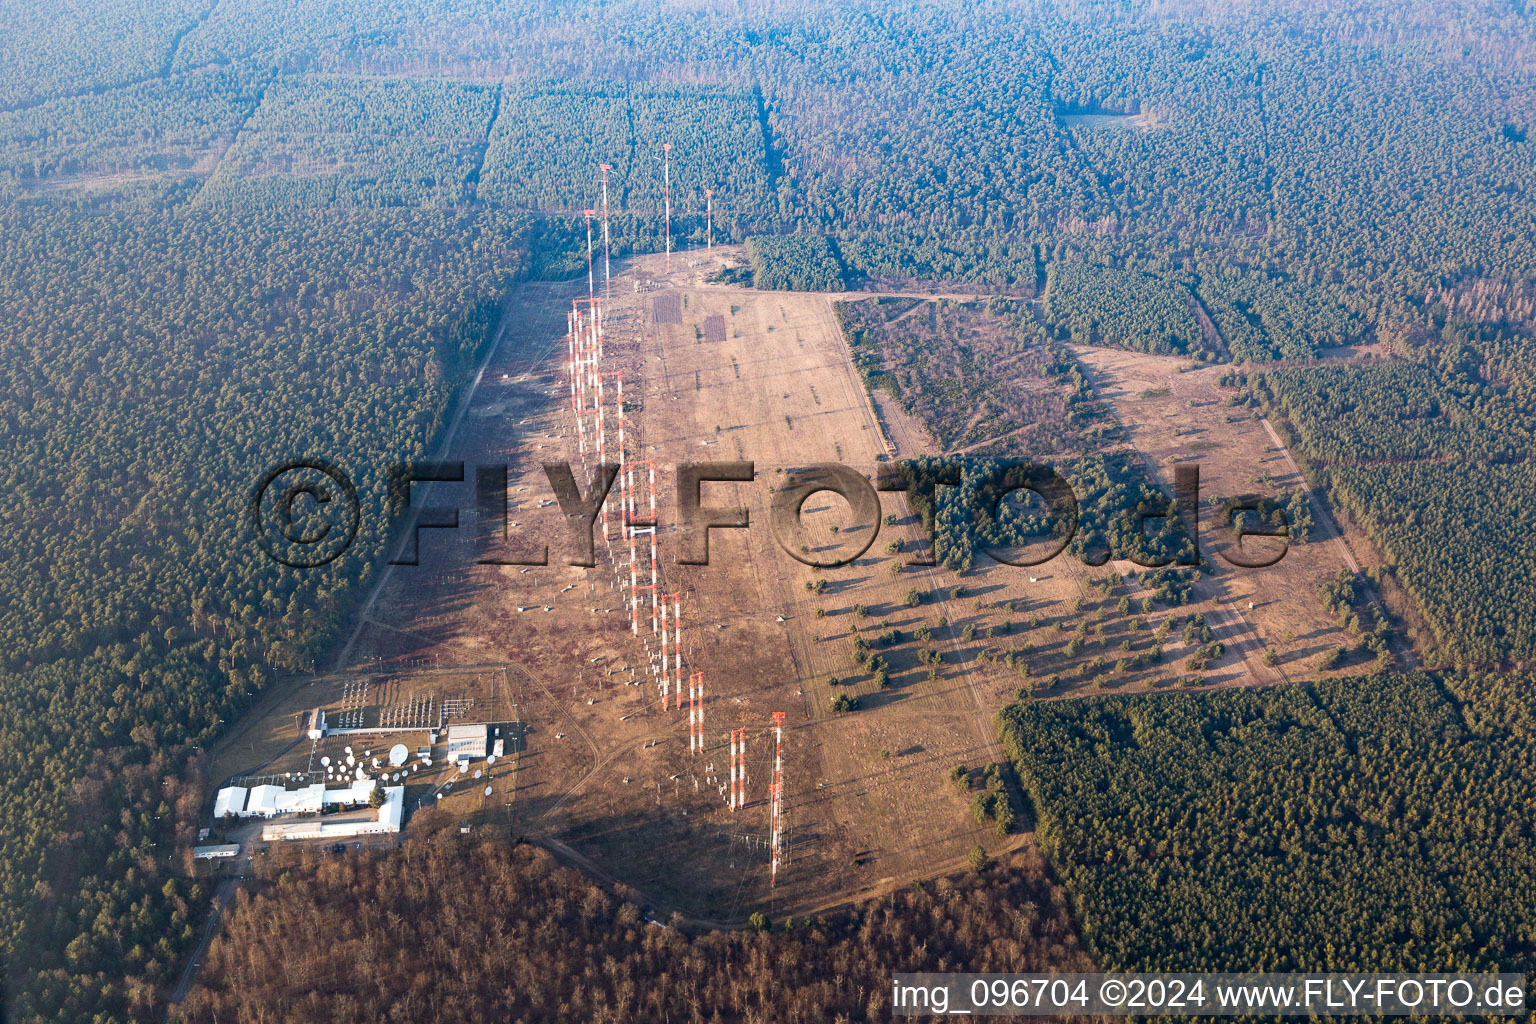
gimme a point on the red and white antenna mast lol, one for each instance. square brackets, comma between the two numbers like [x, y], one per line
[607, 252]
[589, 214]
[586, 352]
[666, 180]
[709, 219]
[634, 528]
[581, 350]
[776, 794]
[602, 442]
[671, 652]
[696, 713]
[677, 649]
[738, 769]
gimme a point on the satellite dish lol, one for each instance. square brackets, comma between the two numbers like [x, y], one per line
[477, 773]
[398, 753]
[439, 796]
[463, 768]
[347, 749]
[491, 759]
[415, 767]
[325, 760]
[351, 759]
[487, 790]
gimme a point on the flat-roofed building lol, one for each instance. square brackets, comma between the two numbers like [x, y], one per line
[230, 801]
[468, 742]
[263, 801]
[308, 800]
[390, 818]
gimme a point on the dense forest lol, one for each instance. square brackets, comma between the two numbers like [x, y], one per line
[157, 361]
[1103, 306]
[1425, 457]
[807, 263]
[1362, 824]
[234, 229]
[454, 929]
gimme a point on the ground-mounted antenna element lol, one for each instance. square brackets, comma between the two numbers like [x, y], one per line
[776, 795]
[607, 252]
[666, 191]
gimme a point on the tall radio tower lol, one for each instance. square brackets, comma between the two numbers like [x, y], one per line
[589, 214]
[607, 251]
[666, 186]
[738, 769]
[776, 794]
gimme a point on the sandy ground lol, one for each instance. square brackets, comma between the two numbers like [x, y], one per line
[712, 373]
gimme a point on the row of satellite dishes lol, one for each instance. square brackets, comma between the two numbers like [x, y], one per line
[397, 757]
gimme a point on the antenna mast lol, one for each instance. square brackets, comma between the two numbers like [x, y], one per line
[607, 251]
[777, 794]
[738, 769]
[589, 214]
[666, 178]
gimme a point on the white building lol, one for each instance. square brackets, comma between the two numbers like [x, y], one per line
[390, 819]
[468, 742]
[263, 802]
[222, 851]
[231, 800]
[308, 800]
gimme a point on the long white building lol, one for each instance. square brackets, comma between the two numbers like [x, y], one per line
[391, 818]
[275, 801]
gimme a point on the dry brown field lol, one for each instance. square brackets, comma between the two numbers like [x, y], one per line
[717, 373]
